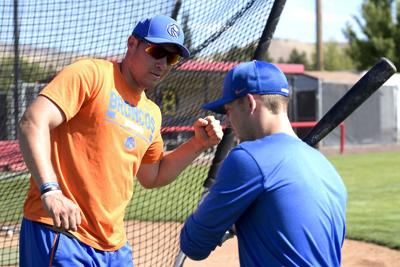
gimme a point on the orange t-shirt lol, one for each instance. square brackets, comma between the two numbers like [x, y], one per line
[109, 130]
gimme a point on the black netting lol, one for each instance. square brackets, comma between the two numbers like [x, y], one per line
[38, 38]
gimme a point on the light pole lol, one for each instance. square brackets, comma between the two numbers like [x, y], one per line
[319, 43]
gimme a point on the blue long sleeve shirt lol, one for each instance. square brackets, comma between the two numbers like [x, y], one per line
[286, 200]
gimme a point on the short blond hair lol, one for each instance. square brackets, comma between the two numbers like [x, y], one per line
[275, 103]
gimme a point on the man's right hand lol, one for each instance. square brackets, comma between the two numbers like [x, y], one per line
[65, 214]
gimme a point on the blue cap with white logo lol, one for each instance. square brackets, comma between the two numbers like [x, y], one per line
[254, 77]
[162, 29]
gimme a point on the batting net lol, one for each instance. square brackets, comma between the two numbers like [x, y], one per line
[39, 38]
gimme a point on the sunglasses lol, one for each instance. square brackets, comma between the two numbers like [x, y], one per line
[158, 52]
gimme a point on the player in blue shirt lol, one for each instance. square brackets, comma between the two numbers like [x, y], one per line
[286, 200]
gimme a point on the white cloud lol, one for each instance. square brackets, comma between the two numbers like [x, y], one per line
[298, 14]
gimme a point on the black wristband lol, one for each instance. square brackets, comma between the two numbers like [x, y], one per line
[47, 187]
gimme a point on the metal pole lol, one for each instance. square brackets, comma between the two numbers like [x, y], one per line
[269, 29]
[177, 7]
[320, 48]
[16, 66]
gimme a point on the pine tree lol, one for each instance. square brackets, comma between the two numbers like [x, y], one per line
[380, 30]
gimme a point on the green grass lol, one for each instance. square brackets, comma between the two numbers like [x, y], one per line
[373, 184]
[13, 188]
[170, 203]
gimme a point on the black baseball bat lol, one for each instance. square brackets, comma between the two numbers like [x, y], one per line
[364, 88]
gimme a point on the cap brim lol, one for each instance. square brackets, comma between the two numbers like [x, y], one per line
[217, 106]
[184, 52]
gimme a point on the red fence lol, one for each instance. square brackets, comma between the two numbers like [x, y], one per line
[310, 124]
[11, 157]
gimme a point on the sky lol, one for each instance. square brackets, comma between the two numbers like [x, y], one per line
[335, 15]
[104, 25]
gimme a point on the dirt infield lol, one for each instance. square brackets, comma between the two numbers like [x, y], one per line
[355, 254]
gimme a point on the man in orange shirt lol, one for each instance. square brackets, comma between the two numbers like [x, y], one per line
[85, 137]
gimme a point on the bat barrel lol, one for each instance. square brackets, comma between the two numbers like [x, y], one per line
[363, 89]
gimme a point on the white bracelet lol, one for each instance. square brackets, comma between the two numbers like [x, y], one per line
[49, 193]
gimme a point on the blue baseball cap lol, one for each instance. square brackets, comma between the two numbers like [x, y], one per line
[161, 29]
[254, 77]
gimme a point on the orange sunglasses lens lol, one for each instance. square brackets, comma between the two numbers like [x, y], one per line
[158, 52]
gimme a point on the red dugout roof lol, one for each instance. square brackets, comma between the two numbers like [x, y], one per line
[194, 65]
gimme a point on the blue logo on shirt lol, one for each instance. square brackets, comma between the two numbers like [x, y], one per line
[130, 143]
[136, 120]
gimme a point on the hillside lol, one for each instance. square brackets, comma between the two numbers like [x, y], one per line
[281, 49]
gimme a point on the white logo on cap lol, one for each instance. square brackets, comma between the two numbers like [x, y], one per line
[284, 90]
[173, 30]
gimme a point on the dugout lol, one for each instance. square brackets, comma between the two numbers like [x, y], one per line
[374, 122]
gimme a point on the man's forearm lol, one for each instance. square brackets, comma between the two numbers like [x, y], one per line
[207, 133]
[174, 162]
[34, 143]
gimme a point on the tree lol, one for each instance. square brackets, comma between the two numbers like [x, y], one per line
[297, 57]
[335, 57]
[281, 60]
[29, 72]
[380, 34]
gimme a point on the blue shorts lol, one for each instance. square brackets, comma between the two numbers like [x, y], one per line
[41, 246]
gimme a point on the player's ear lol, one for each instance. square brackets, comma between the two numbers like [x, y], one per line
[132, 42]
[252, 103]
